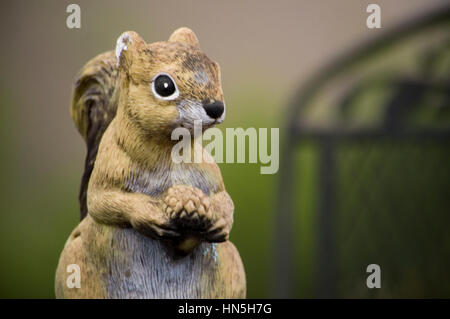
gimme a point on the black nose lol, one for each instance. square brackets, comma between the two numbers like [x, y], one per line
[215, 109]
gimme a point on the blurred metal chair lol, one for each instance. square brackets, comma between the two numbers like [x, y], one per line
[395, 89]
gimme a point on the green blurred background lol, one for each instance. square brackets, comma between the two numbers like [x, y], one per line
[267, 51]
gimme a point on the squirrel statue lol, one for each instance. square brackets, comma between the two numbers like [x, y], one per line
[150, 227]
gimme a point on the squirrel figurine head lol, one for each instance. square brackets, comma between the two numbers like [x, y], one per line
[150, 89]
[168, 84]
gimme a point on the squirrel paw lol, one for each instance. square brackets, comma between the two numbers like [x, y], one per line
[223, 208]
[219, 231]
[188, 206]
[157, 228]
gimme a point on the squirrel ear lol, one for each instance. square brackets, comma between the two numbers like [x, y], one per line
[185, 35]
[127, 46]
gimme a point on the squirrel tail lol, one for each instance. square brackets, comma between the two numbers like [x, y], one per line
[93, 107]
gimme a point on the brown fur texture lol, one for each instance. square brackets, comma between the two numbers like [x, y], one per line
[140, 202]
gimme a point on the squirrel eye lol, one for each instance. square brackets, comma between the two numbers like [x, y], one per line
[164, 87]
